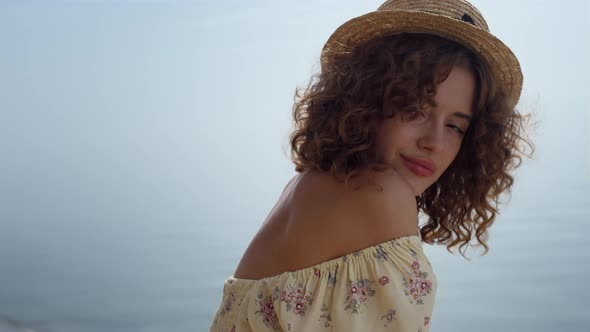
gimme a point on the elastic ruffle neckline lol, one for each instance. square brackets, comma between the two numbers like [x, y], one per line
[367, 252]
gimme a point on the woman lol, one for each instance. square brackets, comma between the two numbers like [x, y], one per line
[413, 111]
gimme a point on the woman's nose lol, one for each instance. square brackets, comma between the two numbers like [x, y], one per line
[431, 139]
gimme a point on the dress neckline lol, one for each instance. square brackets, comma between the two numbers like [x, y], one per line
[414, 238]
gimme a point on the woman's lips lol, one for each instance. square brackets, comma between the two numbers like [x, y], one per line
[418, 167]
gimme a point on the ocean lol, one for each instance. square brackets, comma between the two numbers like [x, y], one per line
[119, 276]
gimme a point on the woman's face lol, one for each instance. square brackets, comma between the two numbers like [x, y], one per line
[421, 147]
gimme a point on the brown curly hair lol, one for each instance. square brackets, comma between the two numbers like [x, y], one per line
[337, 115]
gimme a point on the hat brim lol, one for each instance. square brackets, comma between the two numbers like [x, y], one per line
[498, 57]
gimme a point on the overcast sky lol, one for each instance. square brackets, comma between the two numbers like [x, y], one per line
[192, 100]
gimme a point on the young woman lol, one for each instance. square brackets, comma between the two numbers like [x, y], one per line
[413, 112]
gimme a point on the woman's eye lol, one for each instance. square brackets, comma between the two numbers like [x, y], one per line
[457, 129]
[415, 114]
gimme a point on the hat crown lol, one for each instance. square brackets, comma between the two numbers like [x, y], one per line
[457, 9]
[456, 20]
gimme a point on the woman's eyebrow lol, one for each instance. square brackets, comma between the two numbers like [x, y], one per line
[462, 116]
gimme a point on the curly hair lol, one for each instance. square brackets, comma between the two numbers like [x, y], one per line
[337, 115]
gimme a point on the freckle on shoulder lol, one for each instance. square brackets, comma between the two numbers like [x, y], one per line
[389, 182]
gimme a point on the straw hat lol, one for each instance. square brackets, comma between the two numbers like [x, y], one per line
[457, 20]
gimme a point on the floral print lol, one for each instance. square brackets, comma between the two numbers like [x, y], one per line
[372, 286]
[325, 317]
[380, 253]
[417, 285]
[332, 278]
[316, 272]
[227, 304]
[267, 313]
[297, 299]
[359, 292]
[389, 317]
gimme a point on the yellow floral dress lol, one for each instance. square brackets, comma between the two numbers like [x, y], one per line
[386, 287]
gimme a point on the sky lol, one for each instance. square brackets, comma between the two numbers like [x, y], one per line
[203, 90]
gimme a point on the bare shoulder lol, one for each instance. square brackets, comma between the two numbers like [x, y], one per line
[387, 196]
[383, 210]
[345, 220]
